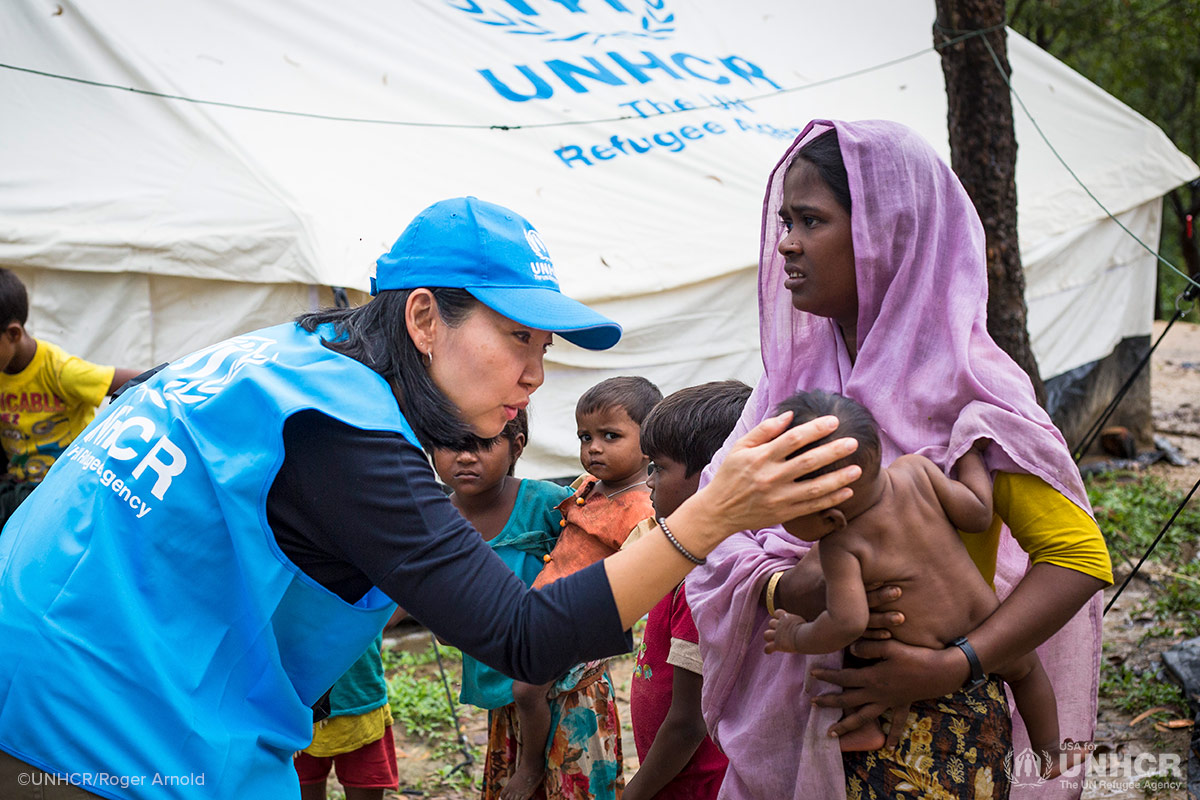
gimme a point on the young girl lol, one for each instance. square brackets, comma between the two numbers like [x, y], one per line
[610, 499]
[519, 519]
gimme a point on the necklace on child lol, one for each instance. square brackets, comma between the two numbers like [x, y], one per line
[626, 489]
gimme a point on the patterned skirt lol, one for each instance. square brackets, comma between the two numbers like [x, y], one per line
[583, 754]
[952, 748]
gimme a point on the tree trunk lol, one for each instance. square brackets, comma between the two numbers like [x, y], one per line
[983, 152]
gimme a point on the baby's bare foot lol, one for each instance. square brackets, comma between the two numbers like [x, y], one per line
[781, 632]
[524, 781]
[868, 737]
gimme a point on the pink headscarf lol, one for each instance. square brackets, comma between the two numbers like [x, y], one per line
[935, 382]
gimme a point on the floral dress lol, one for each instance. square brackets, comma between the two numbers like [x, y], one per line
[967, 736]
[583, 751]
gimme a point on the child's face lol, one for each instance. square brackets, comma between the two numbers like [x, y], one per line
[610, 445]
[469, 474]
[670, 485]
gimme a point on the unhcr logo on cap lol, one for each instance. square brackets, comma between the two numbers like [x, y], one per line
[543, 268]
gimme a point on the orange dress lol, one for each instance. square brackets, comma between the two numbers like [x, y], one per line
[583, 753]
[594, 526]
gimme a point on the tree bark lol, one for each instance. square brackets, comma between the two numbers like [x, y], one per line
[983, 152]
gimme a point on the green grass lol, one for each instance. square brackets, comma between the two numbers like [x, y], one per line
[417, 698]
[1178, 599]
[1134, 691]
[1131, 510]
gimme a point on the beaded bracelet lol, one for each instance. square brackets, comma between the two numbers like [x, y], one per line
[683, 551]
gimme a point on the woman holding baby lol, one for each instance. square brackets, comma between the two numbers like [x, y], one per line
[873, 285]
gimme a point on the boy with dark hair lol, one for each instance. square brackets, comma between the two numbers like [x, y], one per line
[47, 397]
[678, 759]
[611, 496]
[632, 393]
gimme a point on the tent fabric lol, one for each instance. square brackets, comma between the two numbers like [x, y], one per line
[152, 226]
[1089, 288]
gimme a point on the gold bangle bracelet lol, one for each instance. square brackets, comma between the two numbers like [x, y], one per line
[771, 585]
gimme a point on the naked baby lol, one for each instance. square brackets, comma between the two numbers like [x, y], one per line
[899, 529]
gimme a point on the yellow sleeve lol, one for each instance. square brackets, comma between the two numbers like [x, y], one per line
[1048, 526]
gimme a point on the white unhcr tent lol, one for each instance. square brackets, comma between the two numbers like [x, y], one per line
[636, 135]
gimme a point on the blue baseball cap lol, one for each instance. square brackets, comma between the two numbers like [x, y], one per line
[497, 256]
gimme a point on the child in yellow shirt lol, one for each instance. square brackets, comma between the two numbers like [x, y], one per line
[47, 397]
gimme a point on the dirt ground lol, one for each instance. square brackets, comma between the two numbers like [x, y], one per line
[1175, 394]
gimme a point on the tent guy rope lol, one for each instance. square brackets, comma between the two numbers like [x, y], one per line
[483, 126]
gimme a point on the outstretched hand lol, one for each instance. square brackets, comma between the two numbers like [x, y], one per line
[759, 483]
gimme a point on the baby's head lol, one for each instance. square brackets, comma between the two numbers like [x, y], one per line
[482, 464]
[609, 417]
[854, 422]
[681, 434]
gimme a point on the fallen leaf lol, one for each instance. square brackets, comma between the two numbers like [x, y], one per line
[1145, 714]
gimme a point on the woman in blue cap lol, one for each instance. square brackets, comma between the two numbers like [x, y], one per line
[230, 534]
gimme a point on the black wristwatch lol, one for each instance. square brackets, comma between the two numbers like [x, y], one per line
[977, 677]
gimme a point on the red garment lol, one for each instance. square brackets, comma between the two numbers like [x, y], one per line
[372, 766]
[594, 527]
[650, 694]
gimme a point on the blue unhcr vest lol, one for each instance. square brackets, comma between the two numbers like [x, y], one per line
[154, 641]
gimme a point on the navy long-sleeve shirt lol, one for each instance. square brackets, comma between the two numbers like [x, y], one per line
[354, 508]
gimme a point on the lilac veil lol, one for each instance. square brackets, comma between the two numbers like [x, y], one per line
[936, 382]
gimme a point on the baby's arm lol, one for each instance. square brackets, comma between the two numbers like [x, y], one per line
[967, 501]
[844, 618]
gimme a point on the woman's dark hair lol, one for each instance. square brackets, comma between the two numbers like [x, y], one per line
[633, 393]
[517, 426]
[689, 425]
[14, 300]
[825, 154]
[376, 335]
[855, 422]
